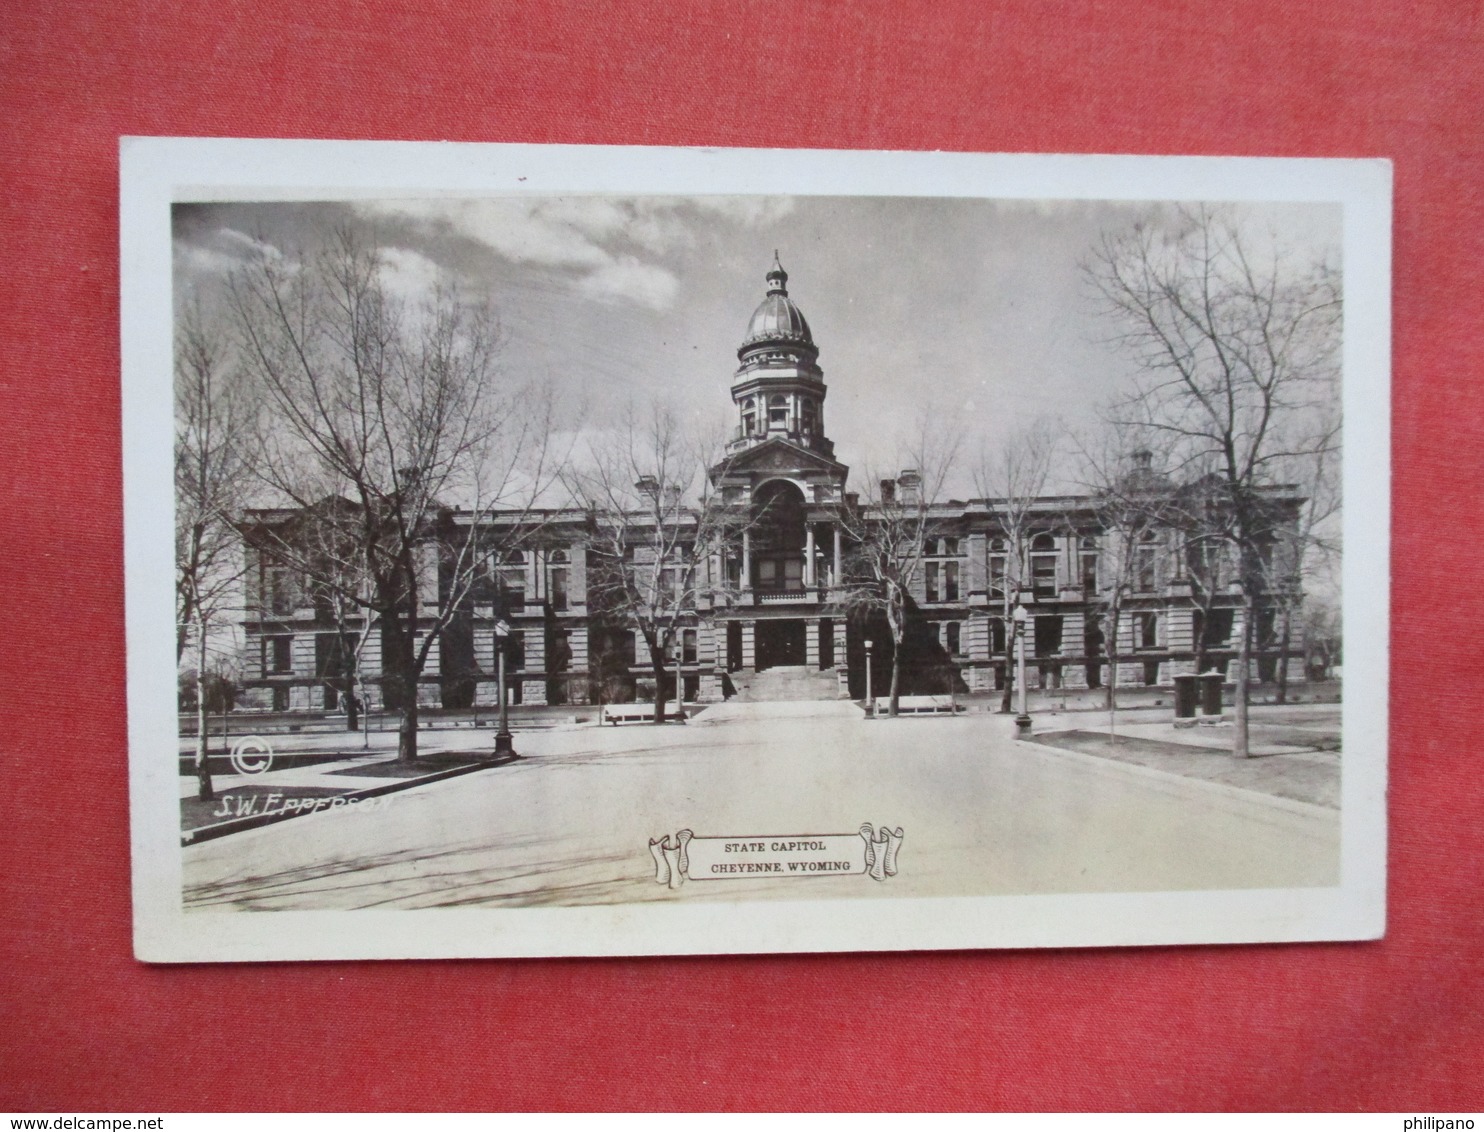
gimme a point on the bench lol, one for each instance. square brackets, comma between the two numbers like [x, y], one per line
[920, 705]
[635, 713]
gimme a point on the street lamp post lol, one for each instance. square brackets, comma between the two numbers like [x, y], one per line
[870, 695]
[1022, 717]
[504, 743]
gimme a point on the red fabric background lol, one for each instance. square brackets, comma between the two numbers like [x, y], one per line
[1395, 1025]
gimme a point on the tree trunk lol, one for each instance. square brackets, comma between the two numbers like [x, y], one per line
[896, 674]
[1239, 694]
[352, 706]
[204, 788]
[657, 666]
[407, 726]
[1110, 650]
[1284, 640]
[1005, 700]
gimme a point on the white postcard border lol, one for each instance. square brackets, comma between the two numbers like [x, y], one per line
[154, 172]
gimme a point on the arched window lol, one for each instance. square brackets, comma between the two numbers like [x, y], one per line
[749, 417]
[810, 423]
[558, 556]
[1043, 542]
[515, 558]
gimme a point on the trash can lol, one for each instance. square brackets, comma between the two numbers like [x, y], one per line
[1187, 695]
[1211, 692]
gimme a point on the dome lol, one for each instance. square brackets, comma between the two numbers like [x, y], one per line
[776, 318]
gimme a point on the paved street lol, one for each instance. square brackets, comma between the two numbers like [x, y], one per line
[571, 822]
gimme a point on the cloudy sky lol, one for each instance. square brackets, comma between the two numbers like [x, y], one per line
[973, 307]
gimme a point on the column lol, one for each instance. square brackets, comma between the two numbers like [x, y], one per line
[533, 691]
[749, 646]
[835, 581]
[746, 561]
[1180, 640]
[809, 555]
[811, 642]
[578, 666]
[1074, 649]
[486, 687]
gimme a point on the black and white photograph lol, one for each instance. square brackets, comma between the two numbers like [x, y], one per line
[602, 551]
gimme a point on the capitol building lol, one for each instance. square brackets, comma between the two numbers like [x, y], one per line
[771, 615]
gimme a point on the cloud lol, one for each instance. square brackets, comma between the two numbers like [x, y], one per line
[630, 280]
[194, 259]
[252, 244]
[406, 273]
[607, 246]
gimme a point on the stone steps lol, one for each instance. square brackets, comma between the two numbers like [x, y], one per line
[774, 685]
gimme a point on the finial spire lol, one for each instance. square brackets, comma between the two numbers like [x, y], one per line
[778, 278]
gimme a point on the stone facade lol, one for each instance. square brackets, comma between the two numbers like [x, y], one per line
[772, 596]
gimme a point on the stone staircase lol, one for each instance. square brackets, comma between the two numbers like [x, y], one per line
[774, 685]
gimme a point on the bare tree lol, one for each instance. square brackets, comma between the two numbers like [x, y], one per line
[213, 468]
[1128, 504]
[389, 424]
[661, 535]
[1313, 550]
[1013, 478]
[1237, 354]
[889, 531]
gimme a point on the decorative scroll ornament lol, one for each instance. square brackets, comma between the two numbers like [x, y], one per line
[671, 863]
[881, 853]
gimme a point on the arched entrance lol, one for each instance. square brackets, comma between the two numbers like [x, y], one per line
[778, 538]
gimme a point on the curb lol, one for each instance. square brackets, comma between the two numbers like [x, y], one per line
[237, 825]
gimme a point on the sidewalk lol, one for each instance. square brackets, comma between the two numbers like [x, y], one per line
[1295, 750]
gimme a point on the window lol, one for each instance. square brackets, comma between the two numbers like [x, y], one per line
[1089, 565]
[1047, 635]
[749, 417]
[777, 412]
[811, 417]
[1144, 564]
[559, 589]
[1215, 630]
[950, 581]
[688, 646]
[997, 636]
[931, 581]
[515, 655]
[513, 582]
[1203, 558]
[278, 591]
[997, 573]
[1043, 575]
[950, 547]
[951, 640]
[1267, 628]
[278, 654]
[1043, 566]
[1147, 628]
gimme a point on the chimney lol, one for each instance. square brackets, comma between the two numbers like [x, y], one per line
[888, 491]
[648, 485]
[910, 483]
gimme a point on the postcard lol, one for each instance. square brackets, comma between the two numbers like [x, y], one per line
[640, 551]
